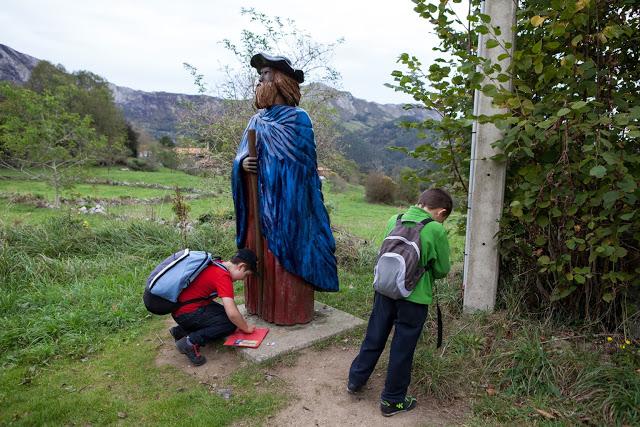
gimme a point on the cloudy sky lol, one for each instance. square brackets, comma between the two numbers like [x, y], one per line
[142, 44]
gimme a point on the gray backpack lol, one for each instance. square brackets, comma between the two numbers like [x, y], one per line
[398, 266]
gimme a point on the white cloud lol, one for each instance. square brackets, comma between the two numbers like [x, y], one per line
[142, 44]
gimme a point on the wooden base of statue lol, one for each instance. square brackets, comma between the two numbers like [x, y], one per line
[286, 298]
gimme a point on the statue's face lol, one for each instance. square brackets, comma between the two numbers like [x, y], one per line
[265, 75]
[266, 91]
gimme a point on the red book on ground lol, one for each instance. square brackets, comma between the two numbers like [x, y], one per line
[252, 340]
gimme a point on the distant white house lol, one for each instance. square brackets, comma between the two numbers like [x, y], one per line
[196, 152]
[323, 172]
[145, 151]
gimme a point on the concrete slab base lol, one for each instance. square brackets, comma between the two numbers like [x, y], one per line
[327, 322]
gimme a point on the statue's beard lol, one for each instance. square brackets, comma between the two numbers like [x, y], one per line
[266, 94]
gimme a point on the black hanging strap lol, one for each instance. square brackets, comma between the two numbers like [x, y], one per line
[438, 315]
[439, 344]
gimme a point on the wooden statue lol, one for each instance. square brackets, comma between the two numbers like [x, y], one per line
[293, 228]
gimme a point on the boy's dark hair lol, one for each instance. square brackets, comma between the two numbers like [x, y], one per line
[436, 198]
[246, 256]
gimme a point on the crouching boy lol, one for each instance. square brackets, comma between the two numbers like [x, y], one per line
[406, 314]
[205, 320]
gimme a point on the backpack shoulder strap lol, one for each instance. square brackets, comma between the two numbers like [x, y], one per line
[217, 262]
[426, 221]
[181, 304]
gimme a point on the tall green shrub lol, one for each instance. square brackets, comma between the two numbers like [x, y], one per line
[380, 188]
[570, 235]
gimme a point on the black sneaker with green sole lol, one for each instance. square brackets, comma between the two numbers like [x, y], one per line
[391, 408]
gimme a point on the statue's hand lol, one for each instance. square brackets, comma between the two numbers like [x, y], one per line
[250, 164]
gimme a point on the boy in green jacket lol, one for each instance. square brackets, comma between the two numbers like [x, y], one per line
[406, 314]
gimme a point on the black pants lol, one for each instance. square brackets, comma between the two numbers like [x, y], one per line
[205, 324]
[408, 319]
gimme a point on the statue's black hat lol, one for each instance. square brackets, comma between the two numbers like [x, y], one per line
[260, 60]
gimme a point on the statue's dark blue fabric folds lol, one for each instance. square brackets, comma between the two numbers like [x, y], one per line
[294, 219]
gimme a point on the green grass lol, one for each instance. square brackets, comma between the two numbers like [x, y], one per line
[18, 213]
[65, 286]
[75, 346]
[95, 191]
[78, 347]
[164, 176]
[122, 385]
[515, 369]
[221, 207]
[350, 211]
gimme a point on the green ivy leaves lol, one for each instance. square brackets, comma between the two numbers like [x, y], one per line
[598, 171]
[571, 126]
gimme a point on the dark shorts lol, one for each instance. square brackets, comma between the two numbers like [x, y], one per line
[205, 324]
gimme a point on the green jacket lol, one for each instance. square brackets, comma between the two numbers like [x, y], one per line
[434, 245]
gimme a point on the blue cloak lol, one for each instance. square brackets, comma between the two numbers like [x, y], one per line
[294, 219]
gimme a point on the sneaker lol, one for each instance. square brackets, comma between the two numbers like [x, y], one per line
[388, 408]
[353, 389]
[176, 333]
[191, 350]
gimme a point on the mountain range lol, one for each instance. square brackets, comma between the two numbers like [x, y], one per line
[367, 128]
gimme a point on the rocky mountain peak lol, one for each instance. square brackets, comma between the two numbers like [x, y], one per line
[15, 66]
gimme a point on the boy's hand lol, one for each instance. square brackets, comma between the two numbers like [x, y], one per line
[236, 318]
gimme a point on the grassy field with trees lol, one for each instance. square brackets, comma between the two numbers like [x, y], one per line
[78, 345]
[89, 205]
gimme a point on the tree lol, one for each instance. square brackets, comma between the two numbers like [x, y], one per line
[131, 141]
[94, 98]
[166, 142]
[219, 126]
[46, 76]
[41, 138]
[570, 138]
[445, 88]
[87, 94]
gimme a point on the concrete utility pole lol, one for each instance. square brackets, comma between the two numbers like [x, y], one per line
[486, 176]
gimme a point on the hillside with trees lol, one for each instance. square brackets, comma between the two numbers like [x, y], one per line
[193, 117]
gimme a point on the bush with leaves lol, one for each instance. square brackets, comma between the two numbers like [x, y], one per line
[146, 165]
[380, 188]
[570, 140]
[571, 137]
[410, 186]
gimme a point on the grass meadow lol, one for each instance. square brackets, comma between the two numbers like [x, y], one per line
[78, 347]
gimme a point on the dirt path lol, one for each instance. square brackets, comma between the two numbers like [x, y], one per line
[221, 361]
[317, 379]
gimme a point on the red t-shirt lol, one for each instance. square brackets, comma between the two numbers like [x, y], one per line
[214, 278]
